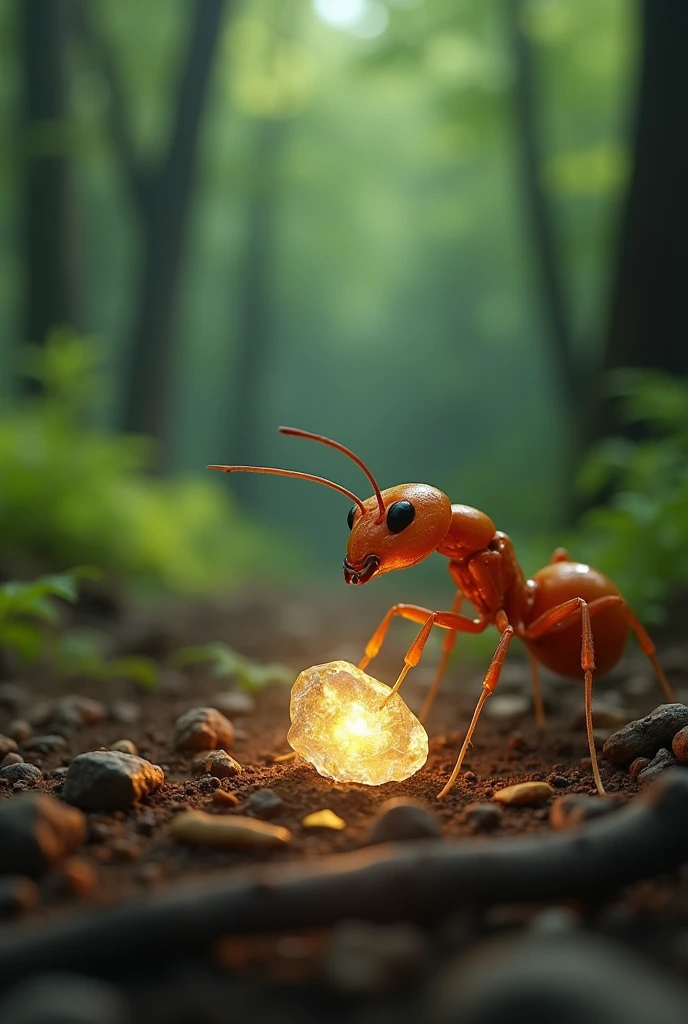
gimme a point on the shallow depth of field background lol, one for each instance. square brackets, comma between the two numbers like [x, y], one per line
[396, 222]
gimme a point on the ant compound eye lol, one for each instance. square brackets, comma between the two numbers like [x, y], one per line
[400, 515]
[350, 517]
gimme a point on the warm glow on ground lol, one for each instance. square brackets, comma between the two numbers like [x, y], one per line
[339, 725]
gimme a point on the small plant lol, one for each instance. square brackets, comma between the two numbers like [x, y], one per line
[80, 653]
[228, 663]
[641, 536]
[26, 609]
[72, 493]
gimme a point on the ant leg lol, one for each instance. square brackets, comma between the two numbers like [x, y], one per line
[446, 620]
[642, 636]
[448, 645]
[538, 706]
[407, 611]
[548, 621]
[489, 686]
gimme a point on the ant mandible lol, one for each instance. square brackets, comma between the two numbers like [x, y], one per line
[402, 525]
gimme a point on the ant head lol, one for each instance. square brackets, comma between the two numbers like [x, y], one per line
[394, 529]
[412, 524]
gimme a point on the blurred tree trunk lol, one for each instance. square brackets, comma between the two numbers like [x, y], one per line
[254, 324]
[552, 294]
[162, 195]
[649, 313]
[50, 295]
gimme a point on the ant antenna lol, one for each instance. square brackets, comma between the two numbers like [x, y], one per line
[297, 432]
[297, 476]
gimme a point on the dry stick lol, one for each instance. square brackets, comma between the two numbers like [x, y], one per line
[413, 881]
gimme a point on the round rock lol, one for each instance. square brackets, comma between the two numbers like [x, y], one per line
[484, 817]
[645, 736]
[575, 808]
[38, 833]
[21, 772]
[679, 745]
[400, 819]
[663, 761]
[110, 780]
[203, 729]
[264, 803]
[217, 763]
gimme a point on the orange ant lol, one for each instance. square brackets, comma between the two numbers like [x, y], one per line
[402, 525]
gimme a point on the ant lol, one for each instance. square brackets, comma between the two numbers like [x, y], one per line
[552, 613]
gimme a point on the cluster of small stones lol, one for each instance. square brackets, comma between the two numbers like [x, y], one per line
[651, 745]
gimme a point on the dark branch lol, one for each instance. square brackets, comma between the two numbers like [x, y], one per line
[117, 112]
[419, 881]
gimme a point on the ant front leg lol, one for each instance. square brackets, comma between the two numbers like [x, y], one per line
[428, 618]
[489, 686]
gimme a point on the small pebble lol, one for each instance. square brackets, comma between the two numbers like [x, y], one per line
[125, 712]
[679, 745]
[7, 745]
[224, 799]
[234, 703]
[201, 829]
[264, 803]
[73, 708]
[110, 780]
[524, 793]
[124, 746]
[47, 744]
[663, 761]
[558, 781]
[77, 878]
[11, 758]
[484, 817]
[217, 763]
[324, 819]
[38, 833]
[19, 730]
[400, 819]
[638, 765]
[574, 808]
[203, 729]
[644, 737]
[21, 772]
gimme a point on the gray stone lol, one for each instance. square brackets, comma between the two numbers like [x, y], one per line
[484, 817]
[75, 708]
[38, 833]
[22, 772]
[400, 819]
[64, 999]
[663, 761]
[203, 729]
[264, 803]
[110, 780]
[47, 744]
[644, 737]
[571, 810]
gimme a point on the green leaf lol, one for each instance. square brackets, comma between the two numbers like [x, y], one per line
[226, 662]
[22, 637]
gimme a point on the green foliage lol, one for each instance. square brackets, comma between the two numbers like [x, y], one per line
[641, 536]
[80, 653]
[226, 662]
[26, 609]
[71, 493]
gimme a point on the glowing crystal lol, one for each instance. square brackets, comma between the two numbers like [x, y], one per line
[339, 725]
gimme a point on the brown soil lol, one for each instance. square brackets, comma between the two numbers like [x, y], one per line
[131, 852]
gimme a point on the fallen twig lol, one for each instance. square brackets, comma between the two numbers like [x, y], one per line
[414, 881]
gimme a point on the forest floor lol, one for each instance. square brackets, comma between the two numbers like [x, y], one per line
[282, 977]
